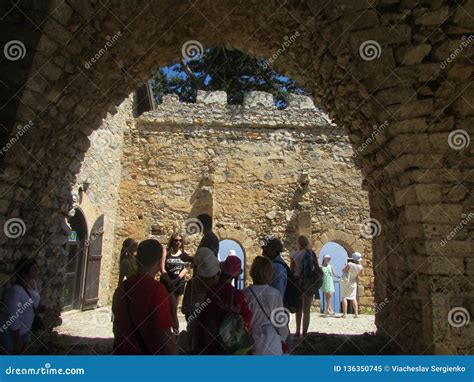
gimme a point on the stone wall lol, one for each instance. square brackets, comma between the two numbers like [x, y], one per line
[416, 74]
[254, 168]
[101, 172]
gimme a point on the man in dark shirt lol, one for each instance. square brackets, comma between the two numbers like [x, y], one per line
[209, 238]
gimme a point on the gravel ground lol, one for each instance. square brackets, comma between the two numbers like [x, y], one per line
[90, 332]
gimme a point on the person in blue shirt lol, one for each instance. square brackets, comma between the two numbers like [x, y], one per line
[272, 249]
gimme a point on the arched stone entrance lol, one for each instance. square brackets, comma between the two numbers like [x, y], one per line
[225, 248]
[90, 57]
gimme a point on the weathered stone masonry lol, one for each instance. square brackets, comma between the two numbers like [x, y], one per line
[420, 187]
[254, 168]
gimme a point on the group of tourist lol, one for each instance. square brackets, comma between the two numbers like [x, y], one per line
[221, 319]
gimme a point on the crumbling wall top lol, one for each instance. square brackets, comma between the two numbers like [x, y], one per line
[257, 110]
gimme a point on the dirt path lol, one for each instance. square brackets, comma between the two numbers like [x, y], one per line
[90, 332]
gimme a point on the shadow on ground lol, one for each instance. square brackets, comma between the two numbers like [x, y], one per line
[340, 344]
[73, 345]
[312, 344]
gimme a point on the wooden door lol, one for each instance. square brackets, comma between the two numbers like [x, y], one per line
[94, 258]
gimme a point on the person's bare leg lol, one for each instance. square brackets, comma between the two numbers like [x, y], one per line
[178, 301]
[298, 316]
[327, 296]
[328, 302]
[355, 304]
[174, 312]
[344, 307]
[307, 299]
[330, 309]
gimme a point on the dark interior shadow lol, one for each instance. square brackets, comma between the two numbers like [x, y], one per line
[63, 344]
[340, 344]
[312, 344]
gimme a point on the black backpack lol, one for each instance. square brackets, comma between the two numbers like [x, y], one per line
[293, 296]
[312, 272]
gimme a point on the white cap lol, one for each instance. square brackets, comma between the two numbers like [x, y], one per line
[206, 262]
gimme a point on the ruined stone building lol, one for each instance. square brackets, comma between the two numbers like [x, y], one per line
[405, 103]
[255, 169]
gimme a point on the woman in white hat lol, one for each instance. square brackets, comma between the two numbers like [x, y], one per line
[206, 273]
[328, 283]
[349, 284]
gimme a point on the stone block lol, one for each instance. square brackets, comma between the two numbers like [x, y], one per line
[297, 101]
[383, 36]
[396, 95]
[170, 99]
[427, 18]
[408, 110]
[258, 99]
[215, 97]
[410, 55]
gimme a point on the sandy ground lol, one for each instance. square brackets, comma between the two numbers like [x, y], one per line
[90, 332]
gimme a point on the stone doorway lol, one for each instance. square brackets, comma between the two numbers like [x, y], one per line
[231, 247]
[338, 260]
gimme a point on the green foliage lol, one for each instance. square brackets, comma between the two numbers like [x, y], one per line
[222, 69]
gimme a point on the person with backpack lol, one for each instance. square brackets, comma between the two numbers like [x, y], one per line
[269, 321]
[223, 327]
[308, 274]
[283, 278]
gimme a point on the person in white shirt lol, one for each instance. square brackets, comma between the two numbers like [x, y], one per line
[269, 319]
[22, 302]
[349, 283]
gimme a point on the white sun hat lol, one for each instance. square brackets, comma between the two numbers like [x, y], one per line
[357, 256]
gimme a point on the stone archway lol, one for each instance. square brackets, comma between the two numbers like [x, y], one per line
[90, 57]
[250, 247]
[346, 240]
